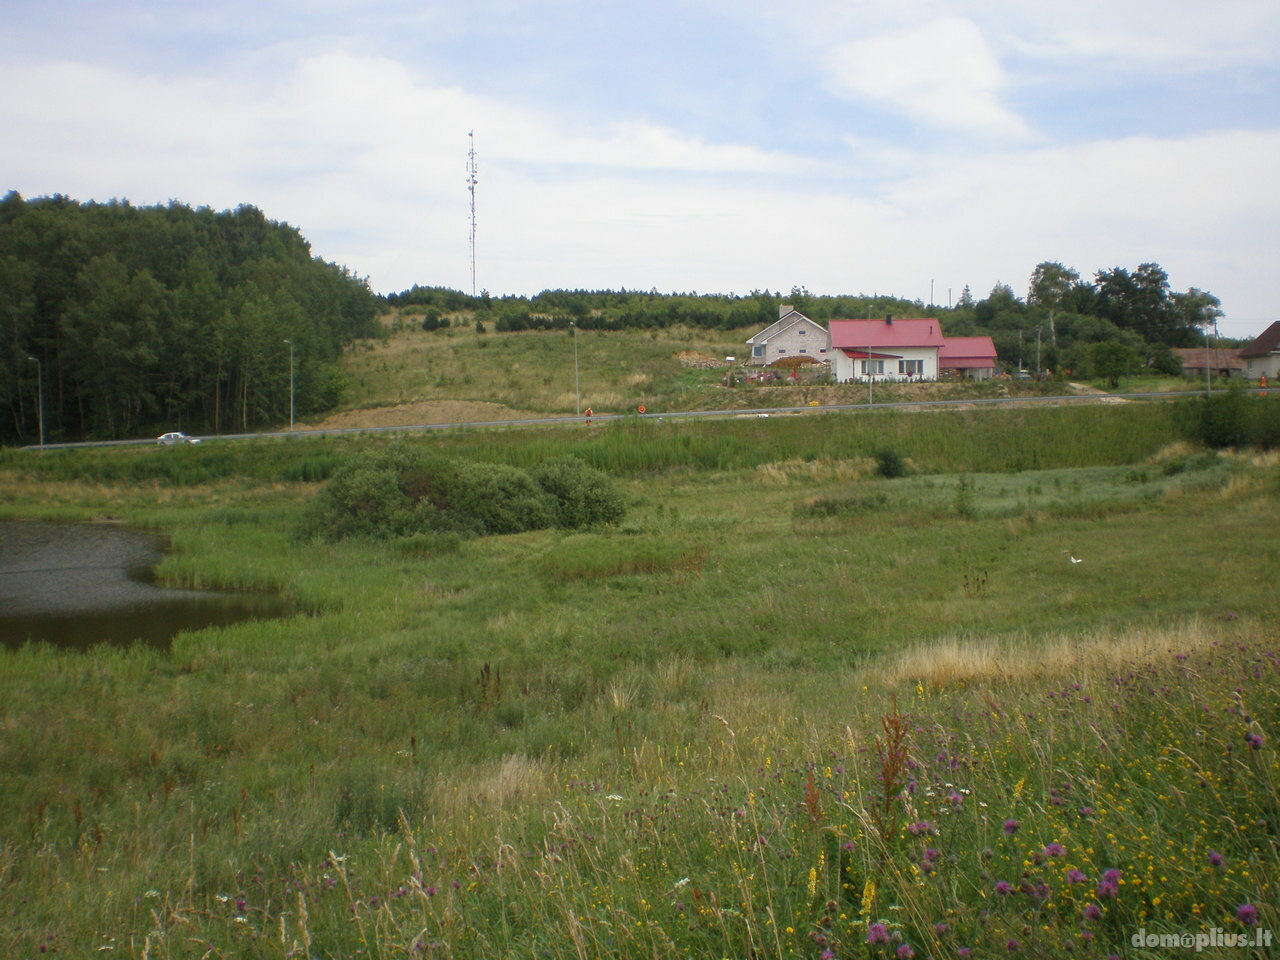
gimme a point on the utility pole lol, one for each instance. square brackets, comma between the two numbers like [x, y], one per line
[39, 395]
[290, 343]
[1206, 360]
[577, 391]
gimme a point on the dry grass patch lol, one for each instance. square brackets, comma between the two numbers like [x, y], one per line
[955, 661]
[513, 781]
[782, 473]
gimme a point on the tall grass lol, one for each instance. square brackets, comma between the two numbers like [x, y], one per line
[674, 737]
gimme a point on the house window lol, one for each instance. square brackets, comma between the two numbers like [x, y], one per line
[782, 349]
[874, 368]
[803, 350]
[757, 350]
[911, 368]
[802, 331]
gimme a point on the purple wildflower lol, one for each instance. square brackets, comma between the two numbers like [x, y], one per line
[931, 855]
[1003, 888]
[1253, 739]
[1011, 827]
[1075, 876]
[1092, 911]
[1109, 885]
[1247, 914]
[963, 952]
[905, 952]
[1215, 858]
[920, 827]
[877, 933]
[1054, 849]
[1012, 946]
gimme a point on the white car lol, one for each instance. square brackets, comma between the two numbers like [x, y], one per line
[165, 439]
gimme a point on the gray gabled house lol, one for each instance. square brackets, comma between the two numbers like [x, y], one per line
[791, 335]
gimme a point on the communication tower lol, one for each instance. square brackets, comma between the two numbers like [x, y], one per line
[471, 188]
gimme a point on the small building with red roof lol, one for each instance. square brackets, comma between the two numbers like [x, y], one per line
[973, 358]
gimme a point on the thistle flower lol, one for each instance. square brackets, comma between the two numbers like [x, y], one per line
[1247, 914]
[1011, 827]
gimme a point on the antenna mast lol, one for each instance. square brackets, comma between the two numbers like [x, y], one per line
[471, 187]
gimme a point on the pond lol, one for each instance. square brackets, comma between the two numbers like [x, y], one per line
[77, 584]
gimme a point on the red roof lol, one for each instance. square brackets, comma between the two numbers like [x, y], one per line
[967, 353]
[1265, 343]
[882, 334]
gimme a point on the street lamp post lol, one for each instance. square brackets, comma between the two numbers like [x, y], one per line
[577, 391]
[290, 343]
[39, 394]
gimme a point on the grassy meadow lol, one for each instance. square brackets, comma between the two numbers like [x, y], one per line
[455, 374]
[788, 707]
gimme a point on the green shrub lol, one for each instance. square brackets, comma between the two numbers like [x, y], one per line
[890, 464]
[583, 495]
[1234, 419]
[495, 498]
[363, 500]
[400, 493]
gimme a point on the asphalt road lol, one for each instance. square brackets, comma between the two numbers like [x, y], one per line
[761, 412]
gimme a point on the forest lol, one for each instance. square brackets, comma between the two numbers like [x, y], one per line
[120, 320]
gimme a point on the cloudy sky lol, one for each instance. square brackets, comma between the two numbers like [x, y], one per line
[908, 147]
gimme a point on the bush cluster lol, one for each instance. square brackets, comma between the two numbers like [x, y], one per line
[1234, 418]
[398, 493]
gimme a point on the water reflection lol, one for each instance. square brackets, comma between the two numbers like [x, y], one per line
[75, 585]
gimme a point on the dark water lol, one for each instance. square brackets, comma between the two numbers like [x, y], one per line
[77, 584]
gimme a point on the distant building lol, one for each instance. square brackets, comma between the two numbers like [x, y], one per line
[906, 349]
[973, 358]
[1220, 361]
[1261, 358]
[791, 335]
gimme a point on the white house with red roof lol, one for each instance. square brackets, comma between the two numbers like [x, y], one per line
[887, 349]
[896, 348]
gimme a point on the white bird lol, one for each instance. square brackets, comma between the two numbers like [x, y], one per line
[1073, 559]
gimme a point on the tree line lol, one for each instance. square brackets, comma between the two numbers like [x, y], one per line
[125, 320]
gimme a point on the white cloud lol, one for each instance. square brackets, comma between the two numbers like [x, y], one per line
[941, 73]
[366, 155]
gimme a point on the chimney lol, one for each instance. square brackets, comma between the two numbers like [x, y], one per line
[784, 309]
[888, 318]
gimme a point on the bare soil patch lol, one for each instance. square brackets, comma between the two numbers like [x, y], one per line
[418, 412]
